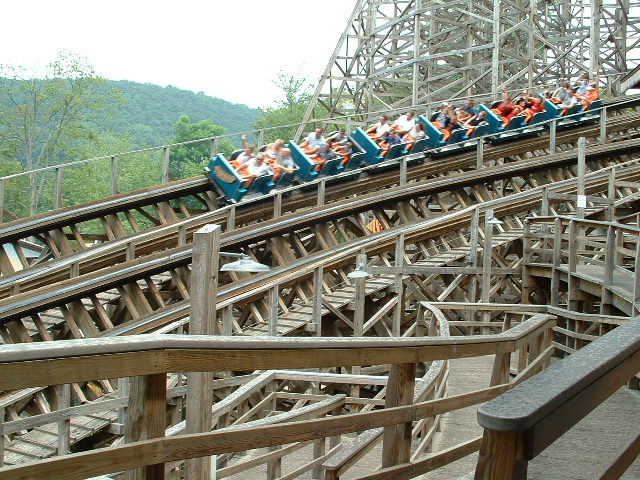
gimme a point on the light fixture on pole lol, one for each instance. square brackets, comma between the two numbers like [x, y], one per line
[359, 272]
[494, 221]
[244, 264]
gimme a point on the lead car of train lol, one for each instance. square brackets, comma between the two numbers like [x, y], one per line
[233, 187]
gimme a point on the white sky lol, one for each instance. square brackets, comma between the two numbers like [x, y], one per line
[227, 49]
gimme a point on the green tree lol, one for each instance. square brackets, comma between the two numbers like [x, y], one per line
[288, 111]
[190, 159]
[42, 118]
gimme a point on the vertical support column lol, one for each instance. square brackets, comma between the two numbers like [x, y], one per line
[416, 53]
[603, 125]
[552, 136]
[1, 436]
[321, 190]
[594, 34]
[398, 311]
[114, 175]
[526, 246]
[473, 257]
[273, 311]
[58, 191]
[609, 265]
[317, 300]
[480, 154]
[495, 56]
[403, 171]
[227, 320]
[557, 255]
[636, 281]
[146, 419]
[396, 439]
[501, 456]
[64, 425]
[581, 175]
[611, 195]
[358, 315]
[231, 218]
[123, 392]
[573, 260]
[166, 159]
[486, 266]
[204, 290]
[277, 205]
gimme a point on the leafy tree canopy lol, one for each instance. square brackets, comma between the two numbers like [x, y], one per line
[288, 111]
[190, 159]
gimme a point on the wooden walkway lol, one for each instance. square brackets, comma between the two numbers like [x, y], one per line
[301, 315]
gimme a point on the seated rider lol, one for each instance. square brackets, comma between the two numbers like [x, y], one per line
[340, 138]
[345, 151]
[255, 167]
[313, 142]
[404, 123]
[390, 139]
[273, 149]
[284, 163]
[244, 156]
[379, 129]
[416, 133]
[469, 108]
[325, 154]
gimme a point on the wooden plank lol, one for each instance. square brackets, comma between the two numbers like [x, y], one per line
[396, 446]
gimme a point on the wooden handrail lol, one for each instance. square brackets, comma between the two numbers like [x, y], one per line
[524, 421]
[152, 356]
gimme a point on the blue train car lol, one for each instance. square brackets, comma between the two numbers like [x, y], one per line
[233, 186]
[373, 152]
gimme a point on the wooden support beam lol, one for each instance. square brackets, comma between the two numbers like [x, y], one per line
[204, 288]
[396, 440]
[146, 417]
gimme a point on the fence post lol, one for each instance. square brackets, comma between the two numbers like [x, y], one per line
[204, 289]
[146, 419]
[1, 201]
[214, 147]
[114, 175]
[58, 192]
[552, 136]
[166, 159]
[396, 439]
[403, 171]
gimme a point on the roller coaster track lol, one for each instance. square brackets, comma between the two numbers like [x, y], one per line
[123, 215]
[136, 288]
[113, 289]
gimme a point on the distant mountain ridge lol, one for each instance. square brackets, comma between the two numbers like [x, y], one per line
[150, 111]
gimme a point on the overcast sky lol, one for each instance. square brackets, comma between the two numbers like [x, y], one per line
[227, 49]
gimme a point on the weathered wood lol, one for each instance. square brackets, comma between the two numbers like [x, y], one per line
[396, 442]
[501, 456]
[204, 286]
[146, 415]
